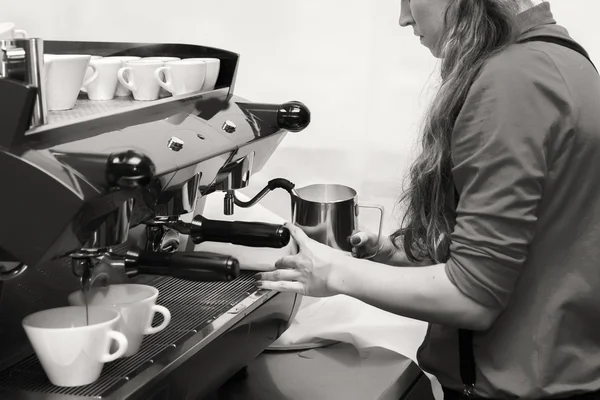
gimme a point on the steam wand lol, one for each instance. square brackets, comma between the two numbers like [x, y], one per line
[278, 183]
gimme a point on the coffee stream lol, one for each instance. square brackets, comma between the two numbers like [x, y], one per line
[85, 290]
[87, 312]
[101, 279]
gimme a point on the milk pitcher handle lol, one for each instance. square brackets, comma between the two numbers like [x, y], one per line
[381, 214]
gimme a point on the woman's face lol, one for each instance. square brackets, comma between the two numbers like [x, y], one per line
[427, 20]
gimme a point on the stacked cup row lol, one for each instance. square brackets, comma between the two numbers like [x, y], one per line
[104, 78]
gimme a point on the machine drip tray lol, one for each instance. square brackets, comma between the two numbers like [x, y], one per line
[193, 306]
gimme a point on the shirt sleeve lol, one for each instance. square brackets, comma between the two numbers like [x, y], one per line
[500, 165]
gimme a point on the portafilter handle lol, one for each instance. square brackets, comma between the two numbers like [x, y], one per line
[196, 266]
[243, 233]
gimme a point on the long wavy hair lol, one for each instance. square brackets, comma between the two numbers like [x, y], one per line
[474, 31]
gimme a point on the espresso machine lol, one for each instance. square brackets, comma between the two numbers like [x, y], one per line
[113, 192]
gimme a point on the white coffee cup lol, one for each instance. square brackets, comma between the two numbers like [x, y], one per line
[122, 91]
[104, 85]
[163, 92]
[90, 71]
[182, 76]
[8, 31]
[71, 351]
[213, 66]
[64, 79]
[137, 305]
[138, 76]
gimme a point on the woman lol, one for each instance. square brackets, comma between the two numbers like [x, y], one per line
[500, 246]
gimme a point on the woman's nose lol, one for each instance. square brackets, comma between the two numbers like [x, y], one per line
[406, 18]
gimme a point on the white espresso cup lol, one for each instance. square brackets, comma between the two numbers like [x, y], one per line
[71, 351]
[122, 91]
[163, 92]
[104, 85]
[182, 76]
[138, 76]
[64, 79]
[137, 305]
[213, 66]
[90, 71]
[8, 31]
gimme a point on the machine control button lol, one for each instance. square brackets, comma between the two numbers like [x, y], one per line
[175, 143]
[229, 127]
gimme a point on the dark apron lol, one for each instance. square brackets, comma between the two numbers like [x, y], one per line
[465, 337]
[456, 395]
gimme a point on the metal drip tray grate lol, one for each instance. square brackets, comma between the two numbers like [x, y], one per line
[85, 108]
[193, 306]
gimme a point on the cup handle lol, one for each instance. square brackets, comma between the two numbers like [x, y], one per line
[166, 320]
[91, 78]
[121, 76]
[21, 33]
[204, 75]
[381, 214]
[121, 349]
[167, 84]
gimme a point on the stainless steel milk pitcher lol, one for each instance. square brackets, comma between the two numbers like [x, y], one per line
[327, 213]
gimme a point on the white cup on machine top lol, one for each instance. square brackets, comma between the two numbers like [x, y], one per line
[213, 66]
[122, 91]
[137, 305]
[163, 92]
[90, 71]
[138, 76]
[65, 75]
[182, 76]
[8, 31]
[71, 350]
[104, 85]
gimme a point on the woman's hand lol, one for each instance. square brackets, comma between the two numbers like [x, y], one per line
[308, 272]
[368, 246]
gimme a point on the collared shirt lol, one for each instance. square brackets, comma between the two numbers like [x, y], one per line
[526, 163]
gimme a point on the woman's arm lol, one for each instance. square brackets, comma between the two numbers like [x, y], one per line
[423, 293]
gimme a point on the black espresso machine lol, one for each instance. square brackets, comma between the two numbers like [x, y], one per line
[115, 190]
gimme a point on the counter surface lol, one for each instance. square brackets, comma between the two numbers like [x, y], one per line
[331, 373]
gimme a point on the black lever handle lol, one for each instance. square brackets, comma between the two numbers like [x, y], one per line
[195, 266]
[129, 169]
[251, 234]
[292, 116]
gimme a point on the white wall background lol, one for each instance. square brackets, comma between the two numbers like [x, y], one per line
[365, 79]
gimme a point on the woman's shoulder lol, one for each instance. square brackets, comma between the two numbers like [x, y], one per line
[519, 62]
[529, 69]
